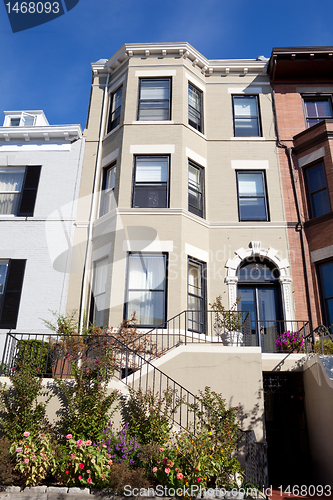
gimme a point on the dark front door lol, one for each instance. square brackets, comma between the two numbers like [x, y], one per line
[259, 293]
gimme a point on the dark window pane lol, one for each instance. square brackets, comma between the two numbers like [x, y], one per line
[246, 127]
[316, 178]
[321, 203]
[246, 117]
[252, 209]
[154, 101]
[194, 107]
[148, 196]
[327, 274]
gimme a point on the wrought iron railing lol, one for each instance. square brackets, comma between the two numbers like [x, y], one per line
[322, 334]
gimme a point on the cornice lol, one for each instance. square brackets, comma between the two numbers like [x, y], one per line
[62, 132]
[179, 49]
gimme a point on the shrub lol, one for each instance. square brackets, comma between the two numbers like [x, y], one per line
[34, 456]
[327, 346]
[86, 464]
[167, 470]
[88, 409]
[7, 472]
[121, 445]
[21, 411]
[150, 415]
[121, 476]
[35, 352]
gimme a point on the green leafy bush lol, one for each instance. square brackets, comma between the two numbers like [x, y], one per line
[88, 406]
[86, 464]
[150, 415]
[327, 345]
[35, 457]
[21, 412]
[35, 352]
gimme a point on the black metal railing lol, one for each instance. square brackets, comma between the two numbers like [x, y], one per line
[320, 340]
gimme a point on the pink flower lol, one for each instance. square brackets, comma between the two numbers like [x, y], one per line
[26, 434]
[92, 460]
[88, 443]
[18, 449]
[104, 446]
[73, 456]
[26, 460]
[165, 460]
[89, 480]
[80, 477]
[69, 436]
[41, 453]
[167, 470]
[88, 471]
[67, 472]
[110, 462]
[79, 442]
[162, 449]
[199, 479]
[108, 466]
[158, 461]
[154, 469]
[81, 466]
[180, 475]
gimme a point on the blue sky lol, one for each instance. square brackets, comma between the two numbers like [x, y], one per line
[48, 67]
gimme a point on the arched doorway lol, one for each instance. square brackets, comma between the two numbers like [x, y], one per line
[259, 292]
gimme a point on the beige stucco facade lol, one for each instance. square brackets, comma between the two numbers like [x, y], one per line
[217, 237]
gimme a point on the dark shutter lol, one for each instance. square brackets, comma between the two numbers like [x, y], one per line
[12, 295]
[29, 191]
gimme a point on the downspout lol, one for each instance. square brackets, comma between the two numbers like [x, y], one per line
[300, 224]
[86, 268]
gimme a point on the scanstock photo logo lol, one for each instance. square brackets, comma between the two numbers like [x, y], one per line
[25, 15]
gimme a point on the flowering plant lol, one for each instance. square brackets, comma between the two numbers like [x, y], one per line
[34, 457]
[86, 464]
[167, 469]
[121, 445]
[290, 341]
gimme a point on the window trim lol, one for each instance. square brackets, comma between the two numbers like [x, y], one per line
[202, 179]
[165, 255]
[104, 177]
[134, 175]
[318, 97]
[170, 97]
[201, 129]
[109, 127]
[263, 172]
[260, 134]
[30, 183]
[310, 205]
[203, 298]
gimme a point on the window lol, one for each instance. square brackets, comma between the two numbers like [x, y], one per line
[246, 116]
[196, 296]
[108, 184]
[24, 120]
[99, 291]
[252, 202]
[18, 190]
[318, 198]
[317, 109]
[326, 288]
[11, 282]
[151, 182]
[195, 107]
[195, 189]
[154, 99]
[146, 288]
[115, 107]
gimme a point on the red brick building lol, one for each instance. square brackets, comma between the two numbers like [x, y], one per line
[302, 83]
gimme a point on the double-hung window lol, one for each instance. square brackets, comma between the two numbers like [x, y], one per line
[99, 291]
[146, 288]
[317, 109]
[150, 188]
[154, 99]
[23, 120]
[195, 107]
[246, 116]
[115, 108]
[318, 198]
[196, 295]
[195, 189]
[326, 288]
[11, 283]
[108, 184]
[18, 190]
[252, 199]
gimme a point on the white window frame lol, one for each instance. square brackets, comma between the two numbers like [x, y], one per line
[13, 192]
